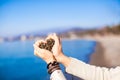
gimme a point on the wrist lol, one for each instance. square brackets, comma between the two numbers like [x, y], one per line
[50, 60]
[63, 59]
[60, 57]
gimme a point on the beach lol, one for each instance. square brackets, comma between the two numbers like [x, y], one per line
[107, 51]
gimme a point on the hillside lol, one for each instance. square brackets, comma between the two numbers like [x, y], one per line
[106, 30]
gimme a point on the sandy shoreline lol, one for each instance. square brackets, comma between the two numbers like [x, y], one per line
[107, 52]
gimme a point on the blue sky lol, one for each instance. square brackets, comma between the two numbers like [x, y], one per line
[22, 16]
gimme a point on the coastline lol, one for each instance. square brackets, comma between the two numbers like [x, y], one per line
[107, 51]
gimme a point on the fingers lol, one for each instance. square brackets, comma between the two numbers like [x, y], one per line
[50, 36]
[39, 50]
[57, 41]
[53, 36]
[36, 53]
[39, 41]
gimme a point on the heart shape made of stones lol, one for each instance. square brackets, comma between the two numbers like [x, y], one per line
[48, 45]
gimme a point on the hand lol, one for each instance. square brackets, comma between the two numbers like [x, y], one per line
[57, 51]
[46, 55]
[57, 48]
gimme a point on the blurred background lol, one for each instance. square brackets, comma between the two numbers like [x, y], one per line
[87, 28]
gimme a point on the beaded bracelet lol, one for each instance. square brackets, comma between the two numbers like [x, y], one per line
[52, 66]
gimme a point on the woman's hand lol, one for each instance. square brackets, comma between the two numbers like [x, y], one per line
[57, 51]
[46, 55]
[57, 48]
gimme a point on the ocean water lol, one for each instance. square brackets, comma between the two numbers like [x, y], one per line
[17, 61]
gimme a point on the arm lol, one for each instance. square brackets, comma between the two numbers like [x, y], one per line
[89, 72]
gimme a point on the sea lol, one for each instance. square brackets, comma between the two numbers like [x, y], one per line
[17, 60]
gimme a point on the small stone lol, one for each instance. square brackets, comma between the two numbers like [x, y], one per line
[42, 45]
